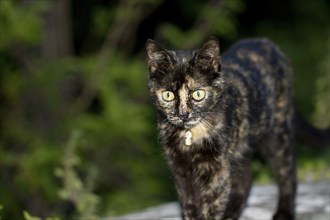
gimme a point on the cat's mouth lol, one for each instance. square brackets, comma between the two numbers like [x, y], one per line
[191, 123]
[186, 124]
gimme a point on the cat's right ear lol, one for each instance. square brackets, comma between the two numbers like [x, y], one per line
[157, 57]
[208, 57]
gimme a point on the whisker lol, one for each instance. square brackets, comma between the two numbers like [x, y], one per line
[204, 129]
[214, 131]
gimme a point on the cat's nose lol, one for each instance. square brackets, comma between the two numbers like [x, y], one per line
[184, 115]
[183, 111]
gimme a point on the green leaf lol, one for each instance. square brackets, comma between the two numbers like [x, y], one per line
[27, 216]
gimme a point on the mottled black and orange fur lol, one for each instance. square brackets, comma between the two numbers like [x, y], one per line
[248, 106]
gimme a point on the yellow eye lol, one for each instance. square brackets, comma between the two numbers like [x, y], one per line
[198, 95]
[168, 96]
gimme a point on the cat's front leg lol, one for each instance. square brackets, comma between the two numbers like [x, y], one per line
[215, 196]
[206, 197]
[187, 197]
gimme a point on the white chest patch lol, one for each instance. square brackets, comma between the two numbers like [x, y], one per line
[196, 134]
[188, 140]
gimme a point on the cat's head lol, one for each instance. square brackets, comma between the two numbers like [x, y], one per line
[187, 84]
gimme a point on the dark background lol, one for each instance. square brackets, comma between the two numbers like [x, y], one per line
[78, 131]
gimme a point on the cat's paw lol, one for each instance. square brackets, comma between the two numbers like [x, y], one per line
[283, 216]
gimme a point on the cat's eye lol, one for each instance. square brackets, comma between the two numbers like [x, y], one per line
[198, 95]
[168, 96]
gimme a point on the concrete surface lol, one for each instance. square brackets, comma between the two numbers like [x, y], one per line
[313, 203]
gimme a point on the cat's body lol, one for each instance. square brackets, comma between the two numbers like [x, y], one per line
[211, 121]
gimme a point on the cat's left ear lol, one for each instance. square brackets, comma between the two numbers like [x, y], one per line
[157, 57]
[208, 57]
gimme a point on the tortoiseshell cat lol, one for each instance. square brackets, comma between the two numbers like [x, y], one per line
[212, 120]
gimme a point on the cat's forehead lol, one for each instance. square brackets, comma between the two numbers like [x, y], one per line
[187, 81]
[182, 57]
[183, 72]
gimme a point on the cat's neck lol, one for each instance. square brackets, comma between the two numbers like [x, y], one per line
[187, 138]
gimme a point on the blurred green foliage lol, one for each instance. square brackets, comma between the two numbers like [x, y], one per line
[216, 17]
[15, 29]
[79, 134]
